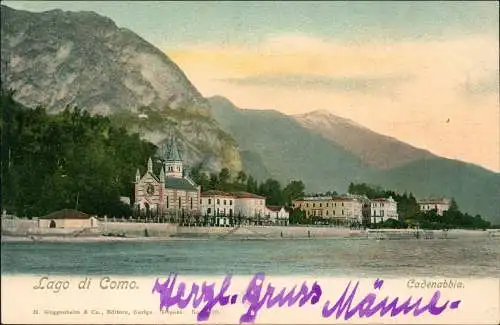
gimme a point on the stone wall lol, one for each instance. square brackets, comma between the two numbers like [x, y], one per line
[270, 231]
[138, 229]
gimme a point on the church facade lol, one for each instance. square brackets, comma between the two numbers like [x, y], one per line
[171, 194]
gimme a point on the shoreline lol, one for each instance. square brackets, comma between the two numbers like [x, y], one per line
[93, 239]
[386, 234]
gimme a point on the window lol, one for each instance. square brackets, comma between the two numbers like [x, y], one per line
[180, 203]
[209, 210]
[333, 212]
[314, 205]
[381, 213]
[167, 202]
[326, 212]
[209, 201]
[307, 205]
[224, 202]
[200, 201]
[224, 211]
[327, 205]
[191, 203]
[342, 211]
[342, 203]
[218, 201]
[230, 202]
[320, 205]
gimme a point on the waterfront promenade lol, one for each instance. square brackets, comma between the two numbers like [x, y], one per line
[23, 228]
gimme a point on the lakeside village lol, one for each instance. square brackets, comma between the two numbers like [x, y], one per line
[173, 197]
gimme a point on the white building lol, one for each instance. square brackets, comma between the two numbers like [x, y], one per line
[249, 205]
[440, 205]
[68, 219]
[219, 205]
[383, 209]
[225, 208]
[277, 215]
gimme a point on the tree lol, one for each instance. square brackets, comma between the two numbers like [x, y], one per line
[224, 177]
[241, 177]
[271, 189]
[453, 205]
[214, 182]
[68, 160]
[252, 186]
[292, 191]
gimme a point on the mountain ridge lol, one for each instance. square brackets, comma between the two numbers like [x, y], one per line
[375, 149]
[323, 163]
[61, 58]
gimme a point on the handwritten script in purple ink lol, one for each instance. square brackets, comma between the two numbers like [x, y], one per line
[197, 295]
[176, 293]
[254, 291]
[366, 308]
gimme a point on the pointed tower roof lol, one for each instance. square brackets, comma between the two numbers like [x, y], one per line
[173, 153]
[150, 165]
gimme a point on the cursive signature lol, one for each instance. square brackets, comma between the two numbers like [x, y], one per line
[367, 306]
[258, 296]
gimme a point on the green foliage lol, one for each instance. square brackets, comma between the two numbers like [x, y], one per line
[271, 188]
[299, 217]
[392, 224]
[68, 160]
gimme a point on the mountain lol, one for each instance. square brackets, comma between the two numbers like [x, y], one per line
[287, 150]
[58, 58]
[292, 148]
[477, 190]
[376, 150]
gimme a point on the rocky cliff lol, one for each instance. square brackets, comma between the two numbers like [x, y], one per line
[57, 58]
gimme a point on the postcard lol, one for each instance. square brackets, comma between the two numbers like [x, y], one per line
[220, 162]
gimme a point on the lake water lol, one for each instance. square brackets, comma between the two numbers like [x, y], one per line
[462, 257]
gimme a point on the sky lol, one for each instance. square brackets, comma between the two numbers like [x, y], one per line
[426, 73]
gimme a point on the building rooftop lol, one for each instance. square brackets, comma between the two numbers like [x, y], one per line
[382, 199]
[246, 195]
[328, 198]
[67, 214]
[217, 193]
[435, 201]
[274, 208]
[179, 183]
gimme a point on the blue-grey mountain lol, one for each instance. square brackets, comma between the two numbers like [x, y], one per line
[327, 152]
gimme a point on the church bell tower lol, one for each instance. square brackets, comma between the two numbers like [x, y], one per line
[173, 162]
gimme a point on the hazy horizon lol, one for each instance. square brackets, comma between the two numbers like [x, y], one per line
[425, 73]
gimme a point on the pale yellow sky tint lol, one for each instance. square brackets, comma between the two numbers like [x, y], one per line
[407, 90]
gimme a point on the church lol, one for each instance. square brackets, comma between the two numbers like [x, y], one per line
[171, 195]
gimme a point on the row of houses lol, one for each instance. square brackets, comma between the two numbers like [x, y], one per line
[251, 207]
[348, 208]
[359, 209]
[174, 194]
